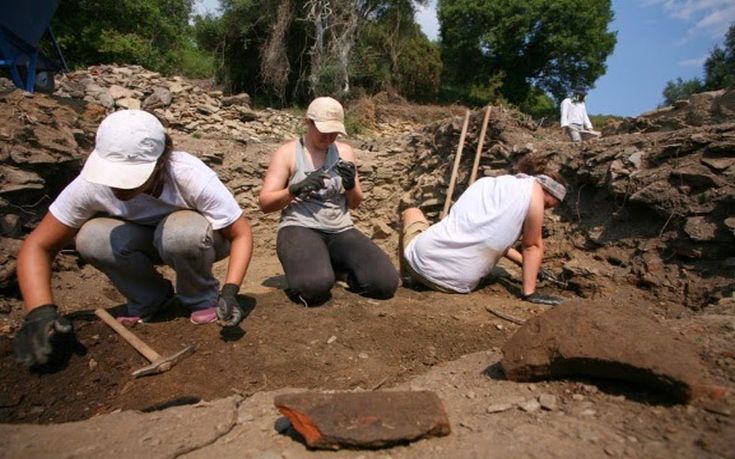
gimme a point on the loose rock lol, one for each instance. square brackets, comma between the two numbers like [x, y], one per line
[364, 419]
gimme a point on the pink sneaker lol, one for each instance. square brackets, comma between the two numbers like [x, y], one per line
[204, 316]
[129, 320]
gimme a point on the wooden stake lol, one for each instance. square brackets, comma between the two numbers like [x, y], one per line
[480, 143]
[457, 158]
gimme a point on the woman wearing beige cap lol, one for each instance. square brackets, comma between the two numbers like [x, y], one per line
[158, 206]
[455, 254]
[313, 181]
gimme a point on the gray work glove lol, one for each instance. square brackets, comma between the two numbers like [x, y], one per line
[229, 310]
[347, 170]
[33, 344]
[540, 298]
[314, 181]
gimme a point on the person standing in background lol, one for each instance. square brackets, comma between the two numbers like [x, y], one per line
[574, 114]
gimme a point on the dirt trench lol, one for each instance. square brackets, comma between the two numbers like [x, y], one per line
[610, 248]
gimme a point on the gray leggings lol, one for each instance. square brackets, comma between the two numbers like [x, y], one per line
[128, 254]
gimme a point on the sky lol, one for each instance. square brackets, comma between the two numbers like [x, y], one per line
[658, 41]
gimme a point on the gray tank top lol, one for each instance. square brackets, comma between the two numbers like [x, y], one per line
[325, 210]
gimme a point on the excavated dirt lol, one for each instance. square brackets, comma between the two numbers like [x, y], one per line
[669, 251]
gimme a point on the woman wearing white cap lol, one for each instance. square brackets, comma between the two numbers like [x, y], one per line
[158, 206]
[455, 254]
[314, 182]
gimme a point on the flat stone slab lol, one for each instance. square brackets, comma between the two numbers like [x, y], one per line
[364, 419]
[623, 343]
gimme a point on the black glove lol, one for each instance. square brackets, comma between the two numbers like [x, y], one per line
[313, 182]
[346, 170]
[228, 308]
[539, 298]
[33, 342]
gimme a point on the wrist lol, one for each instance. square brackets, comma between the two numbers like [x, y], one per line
[42, 309]
[41, 313]
[230, 289]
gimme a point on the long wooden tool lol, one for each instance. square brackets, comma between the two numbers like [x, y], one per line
[158, 364]
[457, 158]
[480, 144]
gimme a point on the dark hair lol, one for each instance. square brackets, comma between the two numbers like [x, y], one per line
[536, 166]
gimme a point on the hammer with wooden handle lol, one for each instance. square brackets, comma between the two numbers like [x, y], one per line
[158, 364]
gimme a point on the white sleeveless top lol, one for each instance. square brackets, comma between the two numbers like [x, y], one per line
[465, 246]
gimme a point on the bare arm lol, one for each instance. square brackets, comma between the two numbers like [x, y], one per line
[275, 195]
[35, 257]
[514, 256]
[241, 249]
[532, 241]
[354, 196]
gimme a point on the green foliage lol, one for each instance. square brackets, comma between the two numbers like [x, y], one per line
[538, 104]
[487, 92]
[719, 72]
[353, 126]
[114, 46]
[236, 39]
[600, 121]
[418, 73]
[551, 45]
[193, 62]
[719, 68]
[392, 52]
[154, 34]
[327, 80]
[681, 90]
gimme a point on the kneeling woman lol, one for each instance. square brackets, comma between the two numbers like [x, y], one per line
[314, 182]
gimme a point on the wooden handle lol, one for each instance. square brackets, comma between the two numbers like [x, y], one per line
[133, 340]
[457, 158]
[480, 143]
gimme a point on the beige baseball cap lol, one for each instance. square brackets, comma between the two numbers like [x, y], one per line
[327, 114]
[127, 146]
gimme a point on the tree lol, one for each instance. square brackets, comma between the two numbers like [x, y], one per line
[551, 45]
[144, 32]
[719, 68]
[719, 72]
[289, 51]
[393, 53]
[681, 90]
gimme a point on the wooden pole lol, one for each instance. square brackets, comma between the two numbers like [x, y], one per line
[128, 336]
[457, 158]
[480, 143]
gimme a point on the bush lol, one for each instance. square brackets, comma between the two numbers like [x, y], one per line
[193, 62]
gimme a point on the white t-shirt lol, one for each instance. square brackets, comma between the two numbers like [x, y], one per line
[188, 184]
[574, 113]
[465, 246]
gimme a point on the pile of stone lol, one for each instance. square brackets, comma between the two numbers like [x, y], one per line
[184, 105]
[702, 109]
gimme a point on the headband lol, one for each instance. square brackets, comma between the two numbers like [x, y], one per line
[551, 186]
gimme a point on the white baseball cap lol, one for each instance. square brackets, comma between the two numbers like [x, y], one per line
[327, 114]
[127, 146]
